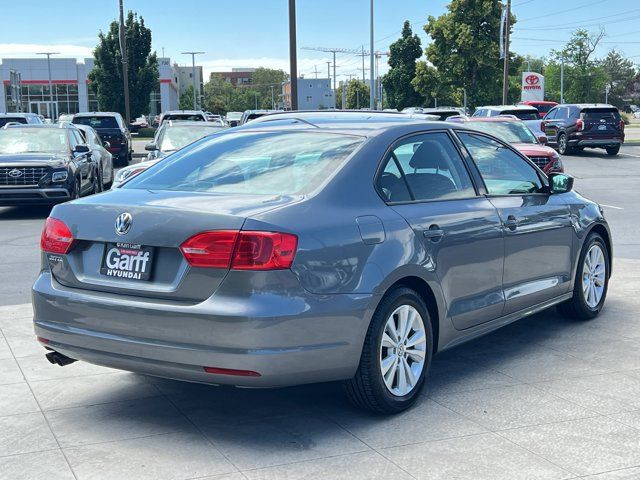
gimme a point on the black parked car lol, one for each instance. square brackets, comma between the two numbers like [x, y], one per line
[111, 128]
[571, 128]
[44, 164]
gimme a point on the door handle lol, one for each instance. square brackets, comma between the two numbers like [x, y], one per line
[511, 223]
[434, 233]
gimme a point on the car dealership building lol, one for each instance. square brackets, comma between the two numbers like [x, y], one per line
[70, 84]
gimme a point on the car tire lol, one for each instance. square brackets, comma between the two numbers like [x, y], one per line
[77, 190]
[97, 182]
[399, 387]
[591, 282]
[613, 150]
[563, 146]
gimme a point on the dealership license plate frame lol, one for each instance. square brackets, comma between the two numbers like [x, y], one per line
[129, 248]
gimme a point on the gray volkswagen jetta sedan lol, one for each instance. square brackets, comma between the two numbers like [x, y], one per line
[311, 247]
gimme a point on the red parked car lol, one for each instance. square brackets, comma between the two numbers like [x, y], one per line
[542, 106]
[517, 134]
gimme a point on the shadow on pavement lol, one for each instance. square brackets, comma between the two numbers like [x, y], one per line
[25, 213]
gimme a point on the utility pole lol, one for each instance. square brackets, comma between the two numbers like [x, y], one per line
[562, 79]
[334, 72]
[316, 70]
[329, 71]
[273, 100]
[363, 79]
[505, 73]
[293, 59]
[372, 95]
[344, 95]
[193, 69]
[464, 96]
[125, 72]
[51, 103]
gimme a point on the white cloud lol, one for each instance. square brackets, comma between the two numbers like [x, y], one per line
[22, 50]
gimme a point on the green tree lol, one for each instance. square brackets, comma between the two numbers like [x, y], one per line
[403, 54]
[585, 78]
[186, 99]
[429, 84]
[264, 81]
[621, 73]
[465, 51]
[357, 94]
[106, 77]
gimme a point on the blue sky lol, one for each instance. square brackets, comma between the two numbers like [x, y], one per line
[252, 33]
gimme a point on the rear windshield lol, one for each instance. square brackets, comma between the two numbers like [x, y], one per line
[521, 114]
[5, 120]
[251, 163]
[97, 122]
[600, 114]
[176, 137]
[544, 107]
[195, 117]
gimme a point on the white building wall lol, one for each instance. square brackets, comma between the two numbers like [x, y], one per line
[315, 93]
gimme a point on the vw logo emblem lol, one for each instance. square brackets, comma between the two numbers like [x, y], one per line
[15, 173]
[123, 223]
[532, 79]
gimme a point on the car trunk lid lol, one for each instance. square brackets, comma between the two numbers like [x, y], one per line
[601, 122]
[160, 222]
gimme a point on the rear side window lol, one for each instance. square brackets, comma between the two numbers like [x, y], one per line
[5, 120]
[269, 163]
[503, 172]
[425, 168]
[97, 121]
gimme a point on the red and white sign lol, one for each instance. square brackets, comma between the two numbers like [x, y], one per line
[532, 86]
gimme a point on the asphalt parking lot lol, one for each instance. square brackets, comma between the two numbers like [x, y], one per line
[545, 398]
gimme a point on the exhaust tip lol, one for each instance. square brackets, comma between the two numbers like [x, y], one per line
[56, 358]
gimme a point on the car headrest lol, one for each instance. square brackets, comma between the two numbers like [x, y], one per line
[430, 154]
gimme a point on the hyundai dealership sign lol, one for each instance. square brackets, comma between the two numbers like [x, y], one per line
[532, 86]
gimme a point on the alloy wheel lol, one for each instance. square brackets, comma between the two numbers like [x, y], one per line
[403, 350]
[562, 144]
[593, 276]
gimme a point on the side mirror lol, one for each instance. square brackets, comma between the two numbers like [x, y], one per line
[81, 148]
[560, 183]
[543, 139]
[151, 147]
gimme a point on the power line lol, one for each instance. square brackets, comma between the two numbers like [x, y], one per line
[583, 25]
[558, 11]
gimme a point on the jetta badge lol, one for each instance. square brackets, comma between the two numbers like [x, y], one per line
[15, 173]
[123, 223]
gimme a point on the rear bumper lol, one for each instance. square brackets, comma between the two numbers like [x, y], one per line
[290, 339]
[33, 196]
[596, 142]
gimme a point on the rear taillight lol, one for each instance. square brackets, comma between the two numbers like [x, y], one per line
[244, 250]
[210, 249]
[264, 251]
[542, 126]
[56, 237]
[622, 125]
[579, 125]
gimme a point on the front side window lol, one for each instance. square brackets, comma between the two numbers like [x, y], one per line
[552, 114]
[423, 168]
[268, 163]
[503, 171]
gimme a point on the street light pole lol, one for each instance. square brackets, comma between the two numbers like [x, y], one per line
[48, 54]
[505, 73]
[372, 93]
[193, 69]
[125, 70]
[293, 56]
[562, 79]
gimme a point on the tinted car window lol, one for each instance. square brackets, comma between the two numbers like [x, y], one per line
[552, 114]
[431, 168]
[5, 120]
[97, 121]
[600, 114]
[503, 171]
[251, 163]
[184, 116]
[521, 114]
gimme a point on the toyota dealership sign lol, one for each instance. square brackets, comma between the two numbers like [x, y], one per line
[532, 86]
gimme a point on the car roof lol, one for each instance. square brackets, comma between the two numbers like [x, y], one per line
[188, 123]
[588, 105]
[96, 114]
[64, 125]
[509, 107]
[492, 119]
[184, 112]
[538, 102]
[365, 123]
[18, 114]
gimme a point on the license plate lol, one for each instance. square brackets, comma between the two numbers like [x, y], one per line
[127, 260]
[602, 127]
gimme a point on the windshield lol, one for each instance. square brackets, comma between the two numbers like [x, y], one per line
[191, 117]
[522, 114]
[33, 140]
[510, 132]
[174, 138]
[251, 163]
[544, 107]
[5, 120]
[97, 122]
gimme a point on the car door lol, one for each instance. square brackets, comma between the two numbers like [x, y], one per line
[554, 123]
[536, 225]
[426, 180]
[83, 160]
